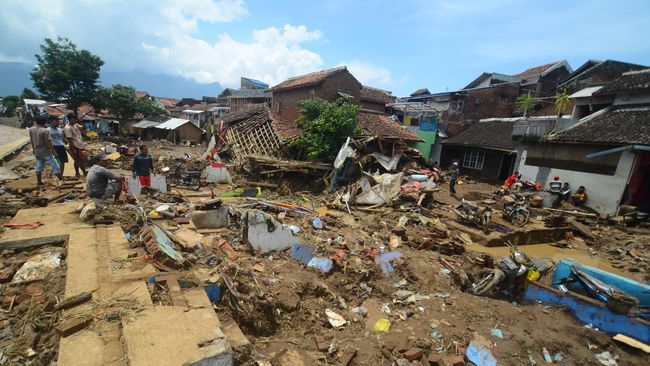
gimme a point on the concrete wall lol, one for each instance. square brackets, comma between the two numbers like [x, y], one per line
[604, 191]
[10, 121]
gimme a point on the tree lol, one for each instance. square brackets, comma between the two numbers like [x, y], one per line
[525, 102]
[326, 126]
[561, 101]
[65, 74]
[28, 94]
[121, 101]
[10, 103]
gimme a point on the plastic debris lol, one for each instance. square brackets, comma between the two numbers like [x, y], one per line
[335, 319]
[496, 332]
[382, 325]
[360, 310]
[606, 358]
[547, 355]
[323, 264]
[317, 223]
[386, 309]
[558, 357]
[37, 267]
[479, 353]
[436, 335]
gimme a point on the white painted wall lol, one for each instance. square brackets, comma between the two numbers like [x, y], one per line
[604, 191]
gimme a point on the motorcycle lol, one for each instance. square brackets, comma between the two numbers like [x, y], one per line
[470, 212]
[517, 212]
[190, 179]
[511, 273]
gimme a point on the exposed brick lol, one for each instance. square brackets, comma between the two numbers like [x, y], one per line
[321, 343]
[71, 326]
[413, 354]
[346, 358]
[445, 360]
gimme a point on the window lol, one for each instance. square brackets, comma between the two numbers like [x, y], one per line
[473, 159]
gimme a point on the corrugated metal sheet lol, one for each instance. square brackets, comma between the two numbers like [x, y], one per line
[173, 123]
[586, 92]
[146, 124]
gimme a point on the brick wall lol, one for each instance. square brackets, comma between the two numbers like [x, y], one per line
[10, 121]
[285, 101]
[496, 101]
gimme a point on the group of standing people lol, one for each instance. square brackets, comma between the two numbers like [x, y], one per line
[49, 145]
[49, 141]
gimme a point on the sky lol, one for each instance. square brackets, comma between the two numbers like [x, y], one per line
[398, 46]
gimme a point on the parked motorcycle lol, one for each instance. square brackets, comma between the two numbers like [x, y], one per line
[189, 179]
[471, 212]
[517, 212]
[511, 273]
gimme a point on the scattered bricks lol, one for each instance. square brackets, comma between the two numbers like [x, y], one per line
[413, 354]
[446, 360]
[346, 358]
[321, 343]
[70, 327]
[6, 275]
[182, 220]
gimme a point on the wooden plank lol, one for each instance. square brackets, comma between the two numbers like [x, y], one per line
[33, 242]
[74, 301]
[582, 230]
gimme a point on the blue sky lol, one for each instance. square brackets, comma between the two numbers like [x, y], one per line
[398, 46]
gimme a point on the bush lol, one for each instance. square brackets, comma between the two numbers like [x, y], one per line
[325, 125]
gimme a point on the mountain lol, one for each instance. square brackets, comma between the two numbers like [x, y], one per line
[14, 77]
[161, 85]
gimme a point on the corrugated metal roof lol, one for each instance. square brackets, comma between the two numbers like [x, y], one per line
[173, 123]
[586, 92]
[146, 124]
[34, 101]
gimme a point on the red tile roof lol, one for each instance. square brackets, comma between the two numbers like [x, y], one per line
[377, 124]
[376, 95]
[168, 102]
[308, 79]
[491, 135]
[537, 69]
[629, 81]
[622, 127]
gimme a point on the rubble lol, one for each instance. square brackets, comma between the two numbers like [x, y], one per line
[292, 275]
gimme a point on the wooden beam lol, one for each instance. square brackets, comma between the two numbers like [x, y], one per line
[33, 242]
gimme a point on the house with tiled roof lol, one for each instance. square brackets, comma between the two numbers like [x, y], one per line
[484, 151]
[255, 129]
[607, 150]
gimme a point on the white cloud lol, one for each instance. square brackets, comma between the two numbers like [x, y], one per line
[368, 74]
[273, 55]
[7, 58]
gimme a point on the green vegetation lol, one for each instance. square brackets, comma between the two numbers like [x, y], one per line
[28, 94]
[561, 101]
[325, 125]
[65, 74]
[525, 102]
[121, 101]
[10, 102]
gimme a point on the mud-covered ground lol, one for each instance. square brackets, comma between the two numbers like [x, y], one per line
[440, 319]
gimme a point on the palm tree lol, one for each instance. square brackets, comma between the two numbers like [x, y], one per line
[562, 101]
[525, 102]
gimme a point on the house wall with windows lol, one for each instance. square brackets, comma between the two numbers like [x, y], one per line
[481, 164]
[604, 178]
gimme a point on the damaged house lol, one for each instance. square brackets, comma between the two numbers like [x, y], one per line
[607, 151]
[259, 130]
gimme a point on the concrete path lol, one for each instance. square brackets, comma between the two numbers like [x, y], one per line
[12, 139]
[188, 333]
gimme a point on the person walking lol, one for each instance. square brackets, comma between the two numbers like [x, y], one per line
[43, 150]
[58, 142]
[143, 166]
[75, 143]
[454, 177]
